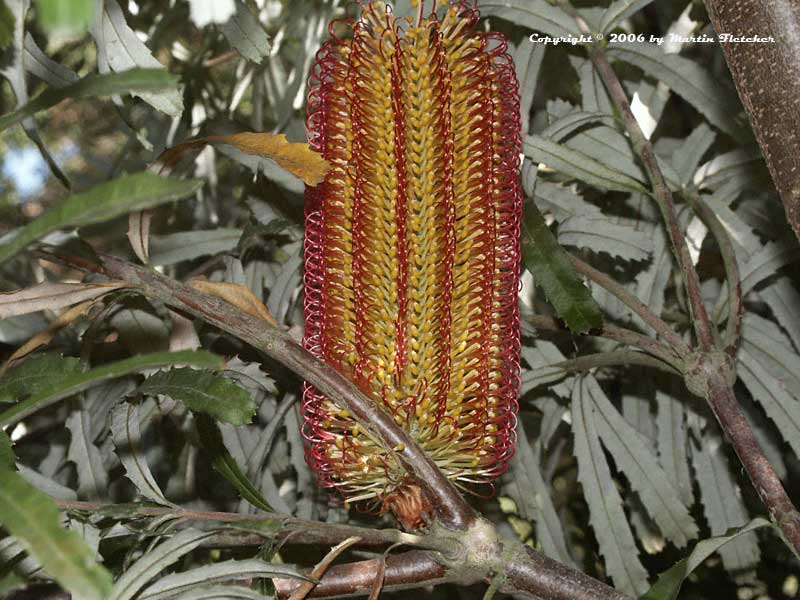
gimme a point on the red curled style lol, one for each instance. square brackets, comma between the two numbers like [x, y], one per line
[412, 246]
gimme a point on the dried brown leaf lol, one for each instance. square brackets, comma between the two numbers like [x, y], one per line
[139, 234]
[52, 296]
[238, 295]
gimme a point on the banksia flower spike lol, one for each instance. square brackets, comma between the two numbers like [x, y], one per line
[412, 248]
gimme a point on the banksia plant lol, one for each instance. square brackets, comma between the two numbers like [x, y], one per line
[412, 248]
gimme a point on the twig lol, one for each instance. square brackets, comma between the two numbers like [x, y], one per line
[296, 531]
[450, 508]
[722, 400]
[412, 569]
[306, 586]
[733, 328]
[632, 302]
[618, 334]
[532, 574]
[661, 191]
[614, 358]
[709, 372]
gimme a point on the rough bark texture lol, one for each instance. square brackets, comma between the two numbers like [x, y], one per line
[767, 76]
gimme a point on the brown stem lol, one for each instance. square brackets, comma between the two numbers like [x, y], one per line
[293, 530]
[661, 191]
[767, 76]
[615, 358]
[618, 334]
[548, 579]
[709, 373]
[449, 507]
[632, 302]
[722, 400]
[412, 569]
[733, 328]
[532, 573]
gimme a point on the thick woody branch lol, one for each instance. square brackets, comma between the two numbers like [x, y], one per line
[410, 570]
[450, 508]
[767, 76]
[717, 388]
[531, 573]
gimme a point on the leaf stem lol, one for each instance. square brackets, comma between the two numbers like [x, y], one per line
[632, 302]
[733, 327]
[709, 372]
[661, 191]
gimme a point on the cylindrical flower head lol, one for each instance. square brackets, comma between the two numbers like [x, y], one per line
[412, 246]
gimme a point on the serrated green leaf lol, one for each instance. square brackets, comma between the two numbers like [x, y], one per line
[70, 17]
[637, 462]
[225, 464]
[188, 245]
[687, 156]
[543, 359]
[533, 14]
[528, 63]
[606, 513]
[245, 33]
[532, 495]
[672, 442]
[6, 25]
[578, 165]
[127, 437]
[203, 391]
[687, 79]
[119, 49]
[125, 82]
[741, 165]
[553, 272]
[221, 592]
[78, 381]
[603, 235]
[33, 519]
[619, 11]
[84, 454]
[7, 458]
[722, 501]
[36, 375]
[156, 560]
[670, 581]
[564, 126]
[253, 568]
[102, 203]
[45, 68]
[770, 370]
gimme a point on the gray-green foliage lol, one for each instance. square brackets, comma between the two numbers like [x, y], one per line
[595, 194]
[625, 450]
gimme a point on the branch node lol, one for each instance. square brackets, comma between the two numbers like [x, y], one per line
[701, 367]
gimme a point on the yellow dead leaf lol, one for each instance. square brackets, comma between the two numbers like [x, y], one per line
[297, 158]
[238, 295]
